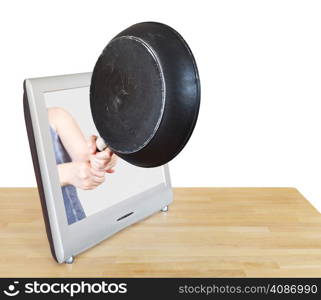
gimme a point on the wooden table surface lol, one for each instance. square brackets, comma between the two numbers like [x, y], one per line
[208, 232]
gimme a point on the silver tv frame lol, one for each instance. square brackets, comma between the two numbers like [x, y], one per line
[65, 240]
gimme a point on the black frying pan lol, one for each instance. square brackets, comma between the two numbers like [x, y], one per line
[145, 94]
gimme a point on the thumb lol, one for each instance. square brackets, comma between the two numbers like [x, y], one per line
[92, 144]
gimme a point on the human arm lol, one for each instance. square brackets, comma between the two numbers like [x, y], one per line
[69, 132]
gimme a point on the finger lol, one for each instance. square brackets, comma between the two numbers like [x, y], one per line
[97, 173]
[99, 164]
[104, 155]
[86, 188]
[109, 151]
[110, 171]
[92, 144]
[113, 159]
[110, 166]
[94, 165]
[98, 180]
[112, 162]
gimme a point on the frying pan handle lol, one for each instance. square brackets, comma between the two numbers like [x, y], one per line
[100, 144]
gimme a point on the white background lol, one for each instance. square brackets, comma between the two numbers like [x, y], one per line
[260, 68]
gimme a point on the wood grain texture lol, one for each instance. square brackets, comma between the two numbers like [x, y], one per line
[208, 232]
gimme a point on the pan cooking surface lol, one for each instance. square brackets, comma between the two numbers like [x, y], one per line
[129, 94]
